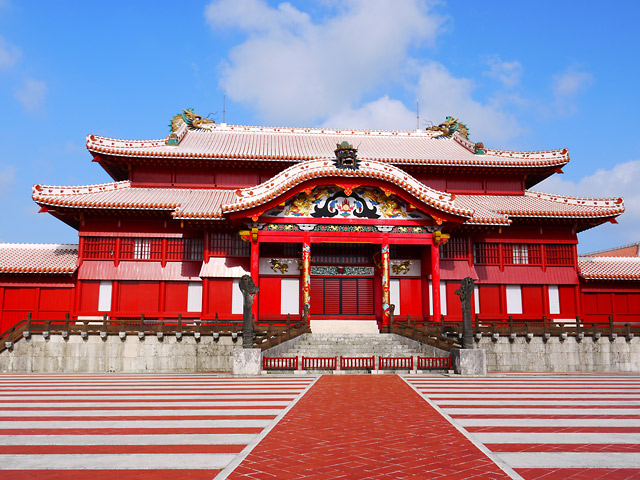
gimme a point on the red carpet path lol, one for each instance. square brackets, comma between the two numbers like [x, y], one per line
[365, 427]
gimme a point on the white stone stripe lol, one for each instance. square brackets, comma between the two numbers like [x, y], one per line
[579, 438]
[139, 413]
[541, 411]
[200, 461]
[635, 391]
[141, 390]
[525, 403]
[159, 404]
[572, 460]
[134, 439]
[68, 385]
[479, 396]
[159, 395]
[23, 424]
[548, 422]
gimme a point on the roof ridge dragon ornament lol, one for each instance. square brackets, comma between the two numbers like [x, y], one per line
[193, 121]
[450, 126]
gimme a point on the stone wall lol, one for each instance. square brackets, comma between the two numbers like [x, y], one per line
[113, 354]
[536, 355]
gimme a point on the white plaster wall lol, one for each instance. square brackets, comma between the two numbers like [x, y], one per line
[236, 297]
[290, 296]
[394, 294]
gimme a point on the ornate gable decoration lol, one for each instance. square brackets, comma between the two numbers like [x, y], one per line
[333, 202]
[346, 156]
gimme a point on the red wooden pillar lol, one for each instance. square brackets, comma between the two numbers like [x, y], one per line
[205, 297]
[115, 296]
[116, 256]
[207, 244]
[163, 253]
[386, 296]
[546, 307]
[435, 281]
[578, 300]
[504, 312]
[36, 313]
[77, 295]
[425, 267]
[255, 269]
[80, 250]
[162, 307]
[306, 274]
[1, 308]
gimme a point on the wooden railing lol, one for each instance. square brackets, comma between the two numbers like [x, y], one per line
[272, 333]
[447, 335]
[319, 363]
[434, 363]
[279, 363]
[266, 334]
[356, 363]
[429, 333]
[395, 363]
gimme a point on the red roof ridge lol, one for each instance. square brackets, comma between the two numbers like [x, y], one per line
[608, 259]
[61, 246]
[42, 190]
[614, 202]
[555, 154]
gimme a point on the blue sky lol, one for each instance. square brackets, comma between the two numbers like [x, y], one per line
[522, 75]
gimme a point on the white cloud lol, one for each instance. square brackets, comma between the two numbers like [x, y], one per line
[381, 114]
[442, 94]
[9, 54]
[294, 71]
[31, 94]
[508, 73]
[621, 180]
[567, 86]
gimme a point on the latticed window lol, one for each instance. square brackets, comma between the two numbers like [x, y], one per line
[405, 251]
[141, 249]
[454, 249]
[342, 254]
[522, 254]
[277, 250]
[486, 253]
[559, 254]
[99, 248]
[228, 245]
[184, 249]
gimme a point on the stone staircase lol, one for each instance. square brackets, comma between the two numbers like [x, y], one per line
[353, 345]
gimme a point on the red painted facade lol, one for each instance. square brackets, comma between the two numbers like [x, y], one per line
[180, 226]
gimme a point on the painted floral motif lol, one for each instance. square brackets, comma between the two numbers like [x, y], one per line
[303, 205]
[331, 202]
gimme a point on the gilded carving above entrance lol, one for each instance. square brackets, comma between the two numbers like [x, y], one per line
[335, 202]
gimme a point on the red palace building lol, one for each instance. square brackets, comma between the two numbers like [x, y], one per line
[346, 222]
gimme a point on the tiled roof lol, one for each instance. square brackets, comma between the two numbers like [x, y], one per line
[538, 204]
[631, 250]
[222, 141]
[315, 169]
[213, 204]
[609, 268]
[182, 202]
[45, 258]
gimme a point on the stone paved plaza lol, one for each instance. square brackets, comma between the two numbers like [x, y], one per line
[205, 426]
